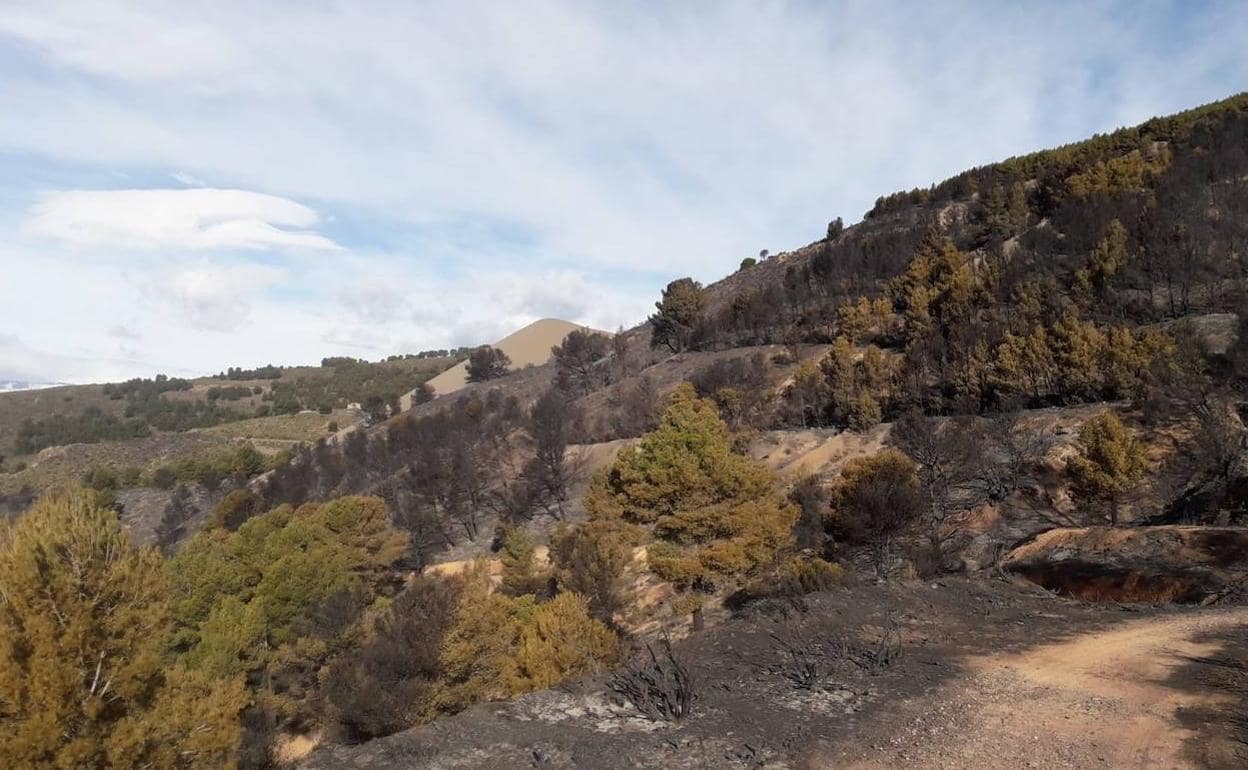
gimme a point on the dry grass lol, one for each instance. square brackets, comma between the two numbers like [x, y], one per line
[791, 453]
[305, 426]
[46, 402]
[57, 466]
[293, 748]
[15, 407]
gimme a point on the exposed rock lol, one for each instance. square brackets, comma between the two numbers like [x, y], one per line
[142, 507]
[1140, 564]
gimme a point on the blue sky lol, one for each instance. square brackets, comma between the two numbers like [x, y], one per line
[190, 186]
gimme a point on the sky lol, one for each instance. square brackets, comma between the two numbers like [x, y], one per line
[194, 185]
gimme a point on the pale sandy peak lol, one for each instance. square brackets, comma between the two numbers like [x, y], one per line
[529, 346]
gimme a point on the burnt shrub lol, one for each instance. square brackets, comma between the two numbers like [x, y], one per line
[388, 683]
[659, 685]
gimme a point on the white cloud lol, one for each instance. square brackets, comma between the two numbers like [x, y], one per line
[215, 297]
[187, 179]
[113, 317]
[374, 303]
[488, 164]
[565, 294]
[196, 220]
[24, 363]
[19, 362]
[93, 38]
[639, 136]
[123, 332]
[390, 309]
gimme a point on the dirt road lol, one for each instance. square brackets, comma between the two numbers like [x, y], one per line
[991, 674]
[1127, 697]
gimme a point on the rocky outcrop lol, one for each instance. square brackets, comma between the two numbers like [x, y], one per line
[1179, 564]
[142, 508]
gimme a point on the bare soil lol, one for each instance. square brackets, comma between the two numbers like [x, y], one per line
[288, 429]
[992, 674]
[1115, 698]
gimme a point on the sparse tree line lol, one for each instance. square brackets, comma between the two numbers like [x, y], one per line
[953, 333]
[375, 387]
[143, 414]
[231, 392]
[1038, 292]
[89, 426]
[238, 463]
[143, 387]
[1122, 159]
[268, 372]
[458, 353]
[145, 410]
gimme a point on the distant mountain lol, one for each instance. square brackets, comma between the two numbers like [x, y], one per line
[529, 346]
[8, 386]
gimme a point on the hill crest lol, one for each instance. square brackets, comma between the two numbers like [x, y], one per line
[527, 346]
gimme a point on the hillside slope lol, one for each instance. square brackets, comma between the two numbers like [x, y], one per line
[529, 346]
[830, 455]
[990, 676]
[1107, 272]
